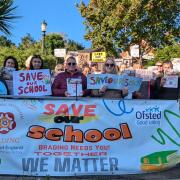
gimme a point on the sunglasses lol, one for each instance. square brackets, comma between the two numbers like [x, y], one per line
[71, 64]
[109, 65]
[159, 65]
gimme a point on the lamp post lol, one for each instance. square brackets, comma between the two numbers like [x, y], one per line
[43, 30]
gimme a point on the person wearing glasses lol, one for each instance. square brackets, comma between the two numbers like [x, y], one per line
[161, 92]
[59, 87]
[109, 67]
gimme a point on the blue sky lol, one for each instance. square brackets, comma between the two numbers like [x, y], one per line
[61, 16]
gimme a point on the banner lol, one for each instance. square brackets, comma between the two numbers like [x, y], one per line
[32, 82]
[113, 81]
[98, 56]
[88, 136]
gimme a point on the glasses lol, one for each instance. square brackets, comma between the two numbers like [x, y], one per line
[71, 64]
[109, 65]
[159, 65]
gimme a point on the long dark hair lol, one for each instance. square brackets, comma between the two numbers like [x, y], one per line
[35, 56]
[15, 62]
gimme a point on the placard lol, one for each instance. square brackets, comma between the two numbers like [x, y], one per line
[113, 81]
[145, 74]
[74, 86]
[60, 52]
[171, 82]
[32, 83]
[98, 56]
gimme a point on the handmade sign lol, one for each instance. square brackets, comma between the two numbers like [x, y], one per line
[32, 83]
[113, 81]
[98, 56]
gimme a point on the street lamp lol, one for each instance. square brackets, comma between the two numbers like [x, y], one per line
[43, 30]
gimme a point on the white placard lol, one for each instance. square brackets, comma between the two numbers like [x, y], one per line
[74, 86]
[32, 83]
[134, 50]
[60, 52]
[171, 82]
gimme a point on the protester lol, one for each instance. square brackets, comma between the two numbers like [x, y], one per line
[122, 67]
[159, 71]
[158, 91]
[109, 67]
[36, 62]
[59, 87]
[86, 70]
[10, 64]
[94, 68]
[58, 69]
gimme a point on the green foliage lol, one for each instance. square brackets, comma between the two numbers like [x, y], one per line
[73, 46]
[28, 46]
[5, 42]
[168, 52]
[53, 41]
[7, 11]
[117, 24]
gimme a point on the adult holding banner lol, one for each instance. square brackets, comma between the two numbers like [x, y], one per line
[109, 67]
[71, 82]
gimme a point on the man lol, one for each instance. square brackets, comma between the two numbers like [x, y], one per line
[161, 92]
[59, 87]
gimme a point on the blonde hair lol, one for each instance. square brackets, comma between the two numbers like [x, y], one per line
[115, 70]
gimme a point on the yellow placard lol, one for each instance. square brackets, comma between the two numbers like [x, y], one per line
[98, 56]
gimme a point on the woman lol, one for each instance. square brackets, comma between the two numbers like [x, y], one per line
[36, 62]
[109, 67]
[10, 64]
[60, 88]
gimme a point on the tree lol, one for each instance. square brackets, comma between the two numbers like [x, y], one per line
[168, 52]
[117, 24]
[5, 42]
[26, 42]
[73, 45]
[53, 41]
[7, 11]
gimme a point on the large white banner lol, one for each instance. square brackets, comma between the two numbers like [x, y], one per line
[88, 137]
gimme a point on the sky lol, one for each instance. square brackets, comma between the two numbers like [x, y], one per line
[61, 16]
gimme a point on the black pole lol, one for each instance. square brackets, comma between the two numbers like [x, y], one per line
[76, 90]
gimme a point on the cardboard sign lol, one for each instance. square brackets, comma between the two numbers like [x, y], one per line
[74, 86]
[171, 82]
[83, 58]
[113, 81]
[32, 83]
[98, 56]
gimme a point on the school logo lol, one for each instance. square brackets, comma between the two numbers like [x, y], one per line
[7, 122]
